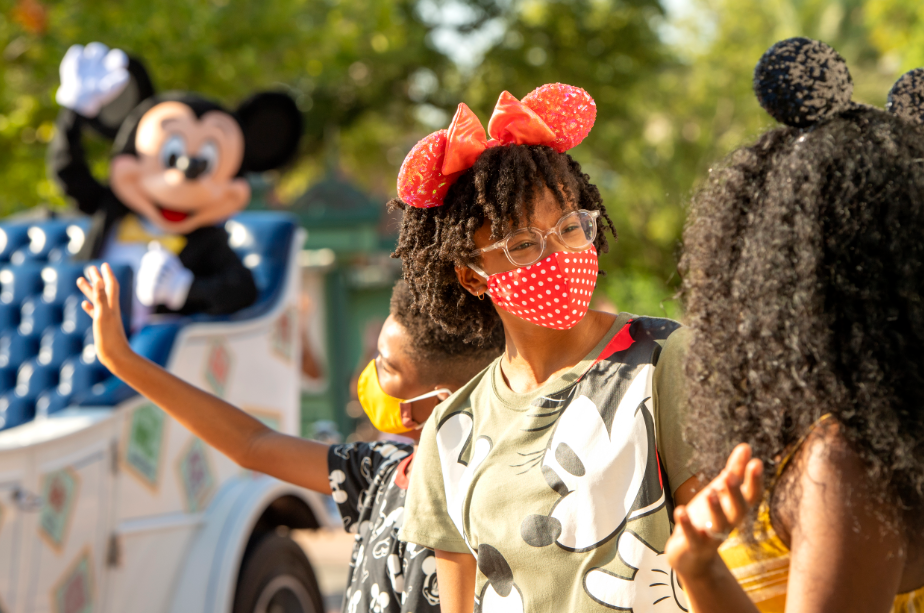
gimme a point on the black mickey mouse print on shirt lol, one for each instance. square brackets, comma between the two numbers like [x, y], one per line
[369, 484]
[562, 494]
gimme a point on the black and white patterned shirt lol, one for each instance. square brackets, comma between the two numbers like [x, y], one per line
[369, 484]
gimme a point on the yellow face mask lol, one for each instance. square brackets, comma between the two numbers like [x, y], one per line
[387, 413]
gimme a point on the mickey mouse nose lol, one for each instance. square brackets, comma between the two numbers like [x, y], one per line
[191, 167]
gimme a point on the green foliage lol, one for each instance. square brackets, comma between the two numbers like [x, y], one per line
[673, 91]
[701, 106]
[897, 31]
[345, 61]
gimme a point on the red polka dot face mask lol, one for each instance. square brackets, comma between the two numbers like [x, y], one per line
[554, 292]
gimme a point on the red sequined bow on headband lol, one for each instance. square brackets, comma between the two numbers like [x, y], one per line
[556, 115]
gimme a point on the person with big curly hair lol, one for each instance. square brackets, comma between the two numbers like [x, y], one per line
[803, 274]
[548, 480]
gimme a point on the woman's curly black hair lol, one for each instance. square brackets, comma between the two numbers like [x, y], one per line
[439, 356]
[803, 272]
[500, 189]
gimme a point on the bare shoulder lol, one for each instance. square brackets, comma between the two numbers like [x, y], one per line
[840, 526]
[825, 471]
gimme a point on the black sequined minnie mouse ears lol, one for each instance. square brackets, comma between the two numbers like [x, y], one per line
[800, 81]
[906, 98]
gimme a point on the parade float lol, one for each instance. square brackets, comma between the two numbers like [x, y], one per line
[106, 503]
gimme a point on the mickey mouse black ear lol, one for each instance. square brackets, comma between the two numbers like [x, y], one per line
[800, 81]
[272, 126]
[906, 98]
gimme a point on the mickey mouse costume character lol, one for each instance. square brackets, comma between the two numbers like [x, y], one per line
[176, 174]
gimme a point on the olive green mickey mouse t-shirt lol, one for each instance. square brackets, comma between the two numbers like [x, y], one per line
[562, 493]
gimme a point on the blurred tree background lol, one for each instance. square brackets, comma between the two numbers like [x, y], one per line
[672, 81]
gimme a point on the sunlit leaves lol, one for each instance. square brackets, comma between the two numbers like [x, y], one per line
[345, 61]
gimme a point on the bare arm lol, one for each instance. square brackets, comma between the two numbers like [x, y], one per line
[687, 490]
[233, 432]
[843, 557]
[702, 523]
[715, 588]
[456, 575]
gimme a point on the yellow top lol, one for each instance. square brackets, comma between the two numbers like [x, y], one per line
[763, 571]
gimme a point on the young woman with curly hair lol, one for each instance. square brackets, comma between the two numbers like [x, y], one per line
[548, 479]
[804, 280]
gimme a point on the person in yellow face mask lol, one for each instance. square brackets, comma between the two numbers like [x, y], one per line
[418, 365]
[390, 377]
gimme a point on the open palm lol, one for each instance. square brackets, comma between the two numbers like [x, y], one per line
[102, 304]
[721, 506]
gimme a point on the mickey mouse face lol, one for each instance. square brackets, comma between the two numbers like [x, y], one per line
[430, 588]
[604, 476]
[183, 174]
[499, 593]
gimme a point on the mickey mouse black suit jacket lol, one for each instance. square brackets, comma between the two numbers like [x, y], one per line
[221, 284]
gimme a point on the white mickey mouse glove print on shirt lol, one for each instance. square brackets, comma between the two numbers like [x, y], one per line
[91, 77]
[654, 586]
[162, 279]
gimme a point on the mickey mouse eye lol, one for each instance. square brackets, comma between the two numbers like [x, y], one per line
[209, 154]
[172, 150]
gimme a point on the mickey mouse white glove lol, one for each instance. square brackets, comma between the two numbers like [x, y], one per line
[653, 581]
[91, 77]
[162, 279]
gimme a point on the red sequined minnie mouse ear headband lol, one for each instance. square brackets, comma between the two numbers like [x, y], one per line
[556, 115]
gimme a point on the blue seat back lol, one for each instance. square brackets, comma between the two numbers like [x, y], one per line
[50, 241]
[46, 341]
[47, 358]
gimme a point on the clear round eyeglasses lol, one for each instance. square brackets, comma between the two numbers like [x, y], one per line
[576, 230]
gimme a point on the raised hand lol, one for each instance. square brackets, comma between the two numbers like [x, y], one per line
[720, 507]
[102, 304]
[233, 432]
[91, 77]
